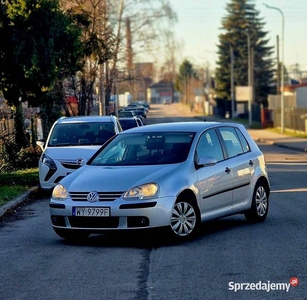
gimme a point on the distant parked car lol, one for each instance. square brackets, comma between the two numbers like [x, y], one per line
[140, 104]
[139, 111]
[167, 101]
[128, 123]
[71, 140]
[144, 103]
[126, 114]
[170, 176]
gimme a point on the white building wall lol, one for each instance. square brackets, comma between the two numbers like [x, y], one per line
[301, 97]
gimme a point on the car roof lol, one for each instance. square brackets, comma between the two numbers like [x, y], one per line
[86, 119]
[182, 126]
[127, 118]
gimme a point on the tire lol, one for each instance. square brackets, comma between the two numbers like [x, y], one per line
[71, 234]
[184, 219]
[260, 204]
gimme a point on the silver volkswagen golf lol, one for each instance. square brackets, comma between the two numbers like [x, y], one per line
[171, 176]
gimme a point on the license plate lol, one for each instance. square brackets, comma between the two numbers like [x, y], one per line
[91, 211]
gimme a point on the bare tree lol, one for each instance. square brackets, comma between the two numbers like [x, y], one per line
[149, 21]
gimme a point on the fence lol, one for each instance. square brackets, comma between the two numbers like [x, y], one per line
[7, 131]
[295, 119]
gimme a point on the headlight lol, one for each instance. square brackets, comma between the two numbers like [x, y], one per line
[59, 193]
[46, 160]
[143, 191]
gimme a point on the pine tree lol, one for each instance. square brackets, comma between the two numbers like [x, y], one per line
[242, 21]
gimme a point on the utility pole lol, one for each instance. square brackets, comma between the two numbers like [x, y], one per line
[250, 86]
[278, 67]
[130, 56]
[102, 26]
[232, 88]
[282, 100]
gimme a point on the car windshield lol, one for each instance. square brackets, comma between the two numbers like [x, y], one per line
[76, 134]
[145, 149]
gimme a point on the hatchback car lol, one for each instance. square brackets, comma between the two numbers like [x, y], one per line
[172, 176]
[128, 123]
[71, 140]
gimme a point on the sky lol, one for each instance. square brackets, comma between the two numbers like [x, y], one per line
[199, 21]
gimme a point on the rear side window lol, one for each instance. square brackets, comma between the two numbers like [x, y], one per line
[244, 143]
[231, 141]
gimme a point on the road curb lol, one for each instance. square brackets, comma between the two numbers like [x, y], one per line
[13, 204]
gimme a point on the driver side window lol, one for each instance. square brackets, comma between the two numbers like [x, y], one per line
[209, 145]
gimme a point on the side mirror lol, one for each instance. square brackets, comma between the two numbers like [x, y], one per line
[41, 143]
[83, 162]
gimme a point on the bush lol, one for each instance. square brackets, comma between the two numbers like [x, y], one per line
[8, 156]
[13, 160]
[28, 157]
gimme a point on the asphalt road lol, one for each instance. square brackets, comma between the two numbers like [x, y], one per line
[229, 259]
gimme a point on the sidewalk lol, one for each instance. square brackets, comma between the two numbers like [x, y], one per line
[16, 202]
[278, 139]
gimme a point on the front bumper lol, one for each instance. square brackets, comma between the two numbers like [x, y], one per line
[124, 215]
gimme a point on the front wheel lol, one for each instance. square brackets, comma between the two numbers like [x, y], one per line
[260, 204]
[184, 220]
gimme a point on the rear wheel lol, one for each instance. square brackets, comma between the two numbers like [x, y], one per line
[71, 234]
[260, 204]
[185, 220]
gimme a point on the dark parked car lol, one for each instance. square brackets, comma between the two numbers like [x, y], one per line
[126, 114]
[128, 123]
[139, 111]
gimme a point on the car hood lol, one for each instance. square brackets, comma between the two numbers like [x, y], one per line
[71, 153]
[120, 179]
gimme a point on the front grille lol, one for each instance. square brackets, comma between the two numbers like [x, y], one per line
[94, 222]
[70, 165]
[103, 196]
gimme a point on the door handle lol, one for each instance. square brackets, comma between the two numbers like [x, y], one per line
[251, 163]
[227, 170]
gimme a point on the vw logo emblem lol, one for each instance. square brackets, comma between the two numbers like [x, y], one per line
[92, 197]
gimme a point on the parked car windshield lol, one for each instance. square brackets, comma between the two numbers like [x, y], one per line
[145, 149]
[74, 134]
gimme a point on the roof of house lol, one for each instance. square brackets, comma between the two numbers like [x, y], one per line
[293, 87]
[161, 84]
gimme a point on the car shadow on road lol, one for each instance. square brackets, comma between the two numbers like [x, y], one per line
[160, 238]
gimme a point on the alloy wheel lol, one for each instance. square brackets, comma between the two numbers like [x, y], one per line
[261, 201]
[184, 219]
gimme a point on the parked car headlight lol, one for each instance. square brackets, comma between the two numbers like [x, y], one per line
[148, 190]
[46, 160]
[59, 192]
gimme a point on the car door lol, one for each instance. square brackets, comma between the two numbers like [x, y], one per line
[241, 163]
[214, 182]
